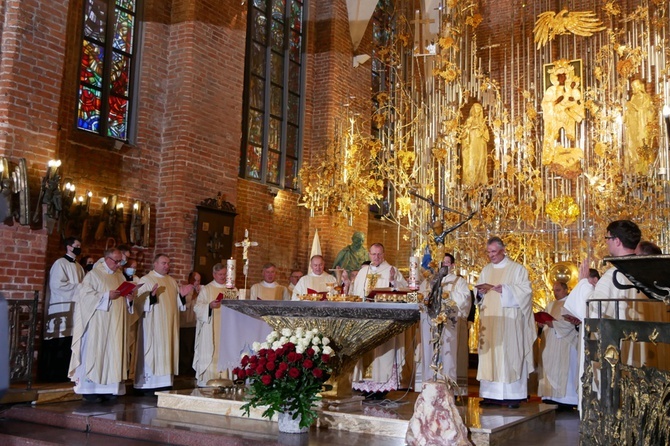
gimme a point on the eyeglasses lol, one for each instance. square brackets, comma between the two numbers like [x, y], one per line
[609, 237]
[115, 261]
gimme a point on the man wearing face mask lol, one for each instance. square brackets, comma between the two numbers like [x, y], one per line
[65, 276]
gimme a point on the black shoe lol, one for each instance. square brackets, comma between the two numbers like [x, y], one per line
[111, 398]
[487, 402]
[92, 398]
[513, 406]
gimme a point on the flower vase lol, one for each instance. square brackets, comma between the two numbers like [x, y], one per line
[289, 425]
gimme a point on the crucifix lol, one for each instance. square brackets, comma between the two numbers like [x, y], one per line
[245, 244]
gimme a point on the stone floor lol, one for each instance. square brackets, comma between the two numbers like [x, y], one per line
[138, 421]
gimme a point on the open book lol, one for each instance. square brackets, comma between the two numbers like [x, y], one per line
[126, 288]
[542, 317]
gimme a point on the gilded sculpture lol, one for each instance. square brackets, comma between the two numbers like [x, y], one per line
[474, 140]
[638, 120]
[551, 24]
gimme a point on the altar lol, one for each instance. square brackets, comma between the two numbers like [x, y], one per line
[353, 328]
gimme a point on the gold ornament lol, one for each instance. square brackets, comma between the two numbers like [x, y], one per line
[563, 210]
[550, 24]
[566, 272]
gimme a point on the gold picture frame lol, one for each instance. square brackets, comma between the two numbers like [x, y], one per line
[577, 70]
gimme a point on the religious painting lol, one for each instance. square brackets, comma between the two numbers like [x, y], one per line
[213, 240]
[549, 68]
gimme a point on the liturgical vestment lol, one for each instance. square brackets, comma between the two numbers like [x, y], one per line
[158, 332]
[312, 282]
[207, 333]
[99, 349]
[269, 291]
[507, 332]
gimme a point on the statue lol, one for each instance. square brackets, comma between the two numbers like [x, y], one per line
[474, 142]
[352, 256]
[638, 115]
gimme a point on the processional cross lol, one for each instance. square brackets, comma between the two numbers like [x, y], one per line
[245, 245]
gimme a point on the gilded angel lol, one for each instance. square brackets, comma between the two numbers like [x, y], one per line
[550, 24]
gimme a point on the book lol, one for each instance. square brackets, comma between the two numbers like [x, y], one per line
[219, 298]
[127, 287]
[542, 317]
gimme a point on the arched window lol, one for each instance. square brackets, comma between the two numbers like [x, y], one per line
[106, 71]
[271, 129]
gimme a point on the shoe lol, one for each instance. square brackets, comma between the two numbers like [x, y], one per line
[111, 398]
[486, 402]
[92, 398]
[513, 406]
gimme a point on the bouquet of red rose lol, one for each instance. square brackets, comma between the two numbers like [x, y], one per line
[287, 373]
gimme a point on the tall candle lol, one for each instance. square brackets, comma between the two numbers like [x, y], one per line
[230, 273]
[413, 273]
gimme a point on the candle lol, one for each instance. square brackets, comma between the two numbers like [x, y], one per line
[230, 273]
[413, 273]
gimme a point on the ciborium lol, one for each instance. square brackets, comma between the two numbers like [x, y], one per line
[353, 328]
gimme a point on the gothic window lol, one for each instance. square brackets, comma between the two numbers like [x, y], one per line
[273, 99]
[108, 60]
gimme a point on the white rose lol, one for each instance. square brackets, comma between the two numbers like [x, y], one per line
[256, 346]
[286, 332]
[283, 340]
[264, 345]
[299, 349]
[299, 331]
[325, 341]
[293, 339]
[316, 340]
[272, 336]
[276, 345]
[327, 350]
[315, 331]
[316, 349]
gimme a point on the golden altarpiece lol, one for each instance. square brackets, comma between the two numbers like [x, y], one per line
[533, 121]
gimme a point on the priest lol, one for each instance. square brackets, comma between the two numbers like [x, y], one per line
[208, 329]
[389, 358]
[98, 366]
[159, 303]
[507, 329]
[317, 281]
[268, 288]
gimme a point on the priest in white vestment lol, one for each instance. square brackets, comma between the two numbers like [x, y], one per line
[559, 360]
[99, 350]
[389, 358]
[317, 281]
[507, 329]
[293, 279]
[160, 299]
[455, 294]
[268, 288]
[208, 329]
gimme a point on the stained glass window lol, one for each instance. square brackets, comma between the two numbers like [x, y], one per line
[108, 58]
[274, 92]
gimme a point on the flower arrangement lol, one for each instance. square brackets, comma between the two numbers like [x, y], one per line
[287, 373]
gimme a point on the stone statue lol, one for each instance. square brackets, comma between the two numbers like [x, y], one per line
[637, 117]
[474, 142]
[352, 256]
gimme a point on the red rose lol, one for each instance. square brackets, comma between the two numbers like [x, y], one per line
[318, 373]
[298, 357]
[289, 346]
[241, 373]
[262, 361]
[283, 366]
[262, 352]
[308, 364]
[292, 357]
[260, 369]
[253, 359]
[310, 352]
[280, 351]
[279, 374]
[266, 379]
[272, 357]
[325, 358]
[270, 366]
[293, 372]
[245, 360]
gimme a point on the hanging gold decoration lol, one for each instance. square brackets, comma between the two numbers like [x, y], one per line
[563, 210]
[550, 24]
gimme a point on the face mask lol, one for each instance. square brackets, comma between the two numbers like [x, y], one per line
[129, 271]
[89, 267]
[76, 251]
[123, 262]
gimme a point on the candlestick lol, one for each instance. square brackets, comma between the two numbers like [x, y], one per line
[230, 273]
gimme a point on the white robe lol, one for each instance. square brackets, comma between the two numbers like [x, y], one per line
[64, 278]
[314, 282]
[269, 291]
[389, 358]
[207, 333]
[99, 348]
[157, 332]
[507, 332]
[559, 370]
[459, 293]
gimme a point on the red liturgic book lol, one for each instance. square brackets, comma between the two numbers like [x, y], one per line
[126, 288]
[219, 298]
[542, 317]
[323, 294]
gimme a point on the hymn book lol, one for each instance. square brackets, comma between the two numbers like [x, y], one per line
[126, 288]
[542, 317]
